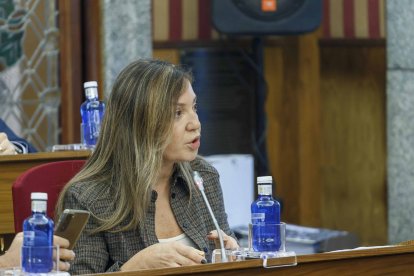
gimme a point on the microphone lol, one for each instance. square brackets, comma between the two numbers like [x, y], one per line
[198, 180]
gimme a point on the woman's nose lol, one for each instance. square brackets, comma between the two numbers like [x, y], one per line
[194, 123]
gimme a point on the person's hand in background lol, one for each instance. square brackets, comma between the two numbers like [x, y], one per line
[6, 147]
[12, 257]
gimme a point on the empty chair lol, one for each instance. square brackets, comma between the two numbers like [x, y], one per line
[48, 178]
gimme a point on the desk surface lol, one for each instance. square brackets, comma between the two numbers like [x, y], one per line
[45, 156]
[12, 166]
[393, 260]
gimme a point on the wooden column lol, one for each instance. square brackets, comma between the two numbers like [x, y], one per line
[70, 69]
[92, 61]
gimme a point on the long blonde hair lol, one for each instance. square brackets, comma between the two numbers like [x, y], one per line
[135, 130]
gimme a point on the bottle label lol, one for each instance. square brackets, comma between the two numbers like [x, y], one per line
[258, 217]
[264, 189]
[94, 124]
[29, 238]
[92, 116]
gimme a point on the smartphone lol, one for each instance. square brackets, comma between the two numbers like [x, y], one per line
[71, 224]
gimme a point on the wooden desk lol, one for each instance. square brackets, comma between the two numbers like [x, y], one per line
[396, 260]
[12, 166]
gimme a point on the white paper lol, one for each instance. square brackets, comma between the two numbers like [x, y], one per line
[237, 182]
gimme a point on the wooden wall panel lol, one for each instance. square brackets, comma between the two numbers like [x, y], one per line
[309, 125]
[352, 157]
[282, 132]
[293, 110]
[170, 55]
[353, 141]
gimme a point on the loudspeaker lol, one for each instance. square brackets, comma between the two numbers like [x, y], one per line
[266, 17]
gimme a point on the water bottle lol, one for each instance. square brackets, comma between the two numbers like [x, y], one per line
[37, 250]
[92, 111]
[265, 215]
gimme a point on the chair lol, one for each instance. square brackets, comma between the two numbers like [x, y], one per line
[47, 178]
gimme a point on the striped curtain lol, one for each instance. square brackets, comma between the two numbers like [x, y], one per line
[189, 20]
[353, 19]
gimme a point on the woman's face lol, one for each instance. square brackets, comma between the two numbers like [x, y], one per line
[185, 139]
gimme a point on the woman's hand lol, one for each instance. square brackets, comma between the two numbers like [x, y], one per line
[229, 242]
[65, 255]
[6, 147]
[171, 254]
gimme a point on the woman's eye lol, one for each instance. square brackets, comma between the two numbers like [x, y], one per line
[178, 113]
[195, 107]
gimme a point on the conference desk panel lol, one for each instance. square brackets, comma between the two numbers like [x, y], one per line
[12, 166]
[394, 260]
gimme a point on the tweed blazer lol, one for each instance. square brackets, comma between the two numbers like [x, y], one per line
[108, 251]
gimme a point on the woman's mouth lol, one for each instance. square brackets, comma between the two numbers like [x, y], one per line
[195, 144]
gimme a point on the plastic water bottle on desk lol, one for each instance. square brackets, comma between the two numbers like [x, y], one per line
[265, 214]
[37, 250]
[92, 112]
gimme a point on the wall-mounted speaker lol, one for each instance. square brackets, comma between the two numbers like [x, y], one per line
[266, 17]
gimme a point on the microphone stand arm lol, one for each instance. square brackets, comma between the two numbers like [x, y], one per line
[220, 235]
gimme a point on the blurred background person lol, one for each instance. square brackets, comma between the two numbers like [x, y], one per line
[10, 143]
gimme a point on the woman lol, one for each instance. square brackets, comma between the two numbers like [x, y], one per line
[146, 211]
